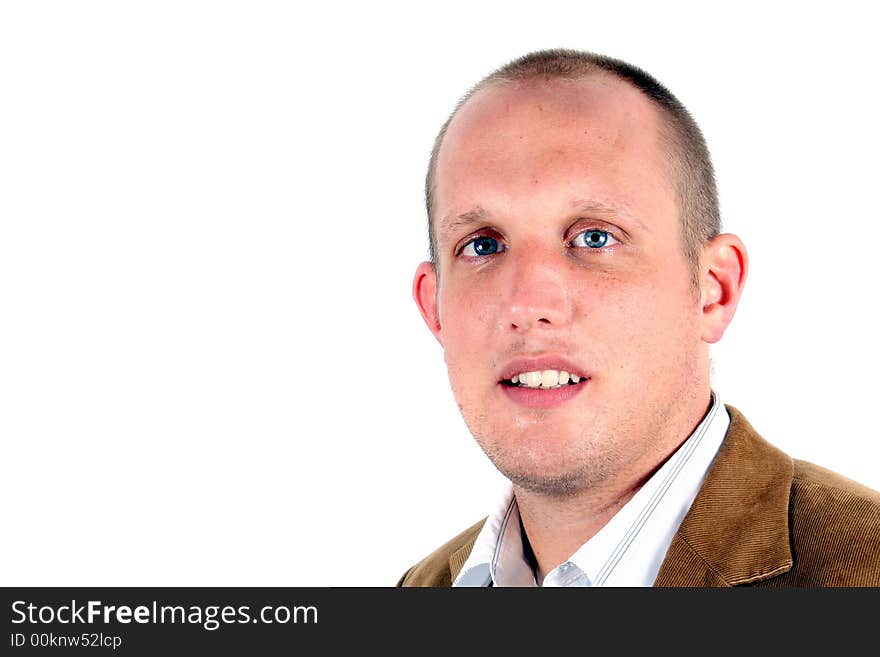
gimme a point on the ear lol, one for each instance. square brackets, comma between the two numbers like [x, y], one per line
[424, 291]
[723, 266]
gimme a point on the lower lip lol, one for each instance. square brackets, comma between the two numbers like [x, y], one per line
[538, 398]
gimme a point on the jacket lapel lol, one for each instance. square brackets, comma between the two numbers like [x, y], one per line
[737, 529]
[457, 559]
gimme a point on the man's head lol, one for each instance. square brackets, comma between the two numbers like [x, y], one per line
[557, 204]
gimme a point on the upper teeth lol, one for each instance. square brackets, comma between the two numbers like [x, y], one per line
[544, 379]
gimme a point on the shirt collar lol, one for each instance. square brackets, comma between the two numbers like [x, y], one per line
[629, 549]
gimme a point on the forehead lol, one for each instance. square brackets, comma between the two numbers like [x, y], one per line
[600, 97]
[515, 142]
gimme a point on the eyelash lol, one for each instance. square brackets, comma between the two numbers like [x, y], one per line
[501, 250]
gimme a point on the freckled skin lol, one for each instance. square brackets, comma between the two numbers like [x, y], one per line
[626, 314]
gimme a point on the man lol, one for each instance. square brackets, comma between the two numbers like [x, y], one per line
[578, 277]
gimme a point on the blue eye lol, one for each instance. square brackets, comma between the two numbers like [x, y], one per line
[481, 246]
[594, 239]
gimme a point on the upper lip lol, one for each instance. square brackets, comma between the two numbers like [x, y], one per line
[540, 363]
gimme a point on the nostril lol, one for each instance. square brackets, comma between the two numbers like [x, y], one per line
[524, 325]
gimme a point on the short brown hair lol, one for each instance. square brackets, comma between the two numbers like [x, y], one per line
[699, 215]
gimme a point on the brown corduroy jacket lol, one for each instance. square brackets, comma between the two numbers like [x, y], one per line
[760, 518]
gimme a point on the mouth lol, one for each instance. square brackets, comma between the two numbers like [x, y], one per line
[542, 379]
[542, 382]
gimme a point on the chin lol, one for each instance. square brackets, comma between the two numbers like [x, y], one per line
[559, 484]
[554, 475]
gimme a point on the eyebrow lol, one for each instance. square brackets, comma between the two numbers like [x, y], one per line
[478, 215]
[597, 208]
[473, 216]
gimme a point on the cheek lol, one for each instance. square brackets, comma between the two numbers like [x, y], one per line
[467, 318]
[639, 323]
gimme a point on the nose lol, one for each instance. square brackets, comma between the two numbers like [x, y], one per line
[537, 296]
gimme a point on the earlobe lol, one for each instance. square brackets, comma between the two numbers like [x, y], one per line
[425, 294]
[724, 268]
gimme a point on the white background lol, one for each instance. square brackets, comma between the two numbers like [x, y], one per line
[211, 369]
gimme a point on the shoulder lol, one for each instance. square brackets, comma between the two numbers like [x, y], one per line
[836, 488]
[830, 501]
[436, 569]
[835, 529]
[836, 513]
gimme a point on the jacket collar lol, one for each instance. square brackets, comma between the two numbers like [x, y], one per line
[737, 530]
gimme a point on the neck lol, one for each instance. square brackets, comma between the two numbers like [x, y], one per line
[556, 526]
